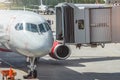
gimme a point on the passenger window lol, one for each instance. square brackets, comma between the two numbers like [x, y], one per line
[80, 24]
[31, 27]
[19, 26]
[41, 27]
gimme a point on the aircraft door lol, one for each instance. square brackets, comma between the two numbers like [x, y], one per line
[68, 24]
[65, 24]
[80, 25]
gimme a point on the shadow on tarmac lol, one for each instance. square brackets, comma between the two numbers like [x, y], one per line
[56, 70]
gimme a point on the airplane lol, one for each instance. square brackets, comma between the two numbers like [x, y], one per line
[29, 34]
[45, 9]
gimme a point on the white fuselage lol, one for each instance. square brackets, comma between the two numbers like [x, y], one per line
[25, 32]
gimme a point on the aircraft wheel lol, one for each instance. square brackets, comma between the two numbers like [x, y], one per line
[31, 75]
[36, 60]
[35, 74]
[2, 78]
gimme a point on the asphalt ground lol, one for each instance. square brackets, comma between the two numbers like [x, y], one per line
[84, 64]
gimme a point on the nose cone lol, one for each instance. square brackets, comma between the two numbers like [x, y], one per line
[36, 45]
[42, 46]
[48, 40]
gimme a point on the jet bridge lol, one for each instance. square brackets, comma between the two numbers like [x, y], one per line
[87, 24]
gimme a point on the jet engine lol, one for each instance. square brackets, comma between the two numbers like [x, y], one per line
[60, 51]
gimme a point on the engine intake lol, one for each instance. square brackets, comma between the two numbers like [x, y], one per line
[60, 51]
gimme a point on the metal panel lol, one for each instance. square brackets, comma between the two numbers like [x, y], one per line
[100, 25]
[116, 24]
[79, 30]
[87, 26]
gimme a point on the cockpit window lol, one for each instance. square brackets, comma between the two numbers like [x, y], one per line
[47, 26]
[41, 27]
[31, 27]
[19, 26]
[44, 27]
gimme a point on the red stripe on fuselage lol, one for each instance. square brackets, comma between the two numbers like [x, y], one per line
[5, 50]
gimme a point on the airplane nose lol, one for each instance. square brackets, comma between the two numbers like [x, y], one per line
[47, 41]
[38, 45]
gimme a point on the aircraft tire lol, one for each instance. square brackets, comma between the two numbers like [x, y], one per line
[35, 74]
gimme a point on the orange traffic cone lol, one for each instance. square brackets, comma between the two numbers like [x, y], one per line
[10, 75]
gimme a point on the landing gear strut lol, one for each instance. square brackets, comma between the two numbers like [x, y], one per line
[32, 73]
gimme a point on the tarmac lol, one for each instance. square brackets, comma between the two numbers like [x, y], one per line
[85, 63]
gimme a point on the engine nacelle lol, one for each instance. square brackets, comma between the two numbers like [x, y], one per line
[60, 51]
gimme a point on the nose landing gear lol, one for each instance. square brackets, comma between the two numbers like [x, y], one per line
[32, 73]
